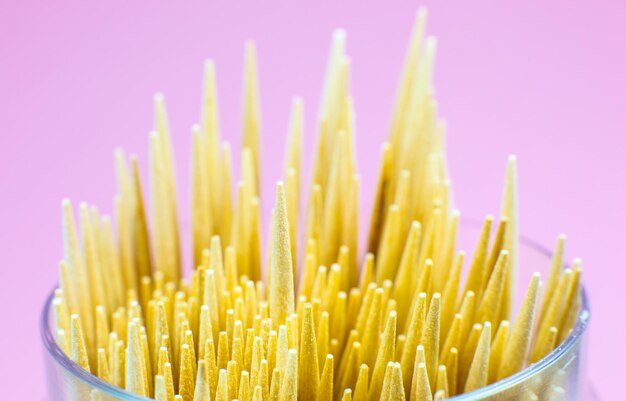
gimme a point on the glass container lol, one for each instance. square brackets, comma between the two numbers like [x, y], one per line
[559, 376]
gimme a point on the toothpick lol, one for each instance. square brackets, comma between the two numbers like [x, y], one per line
[325, 387]
[289, 385]
[386, 352]
[467, 354]
[281, 290]
[378, 210]
[553, 276]
[308, 376]
[77, 284]
[497, 350]
[201, 201]
[211, 140]
[232, 379]
[452, 366]
[370, 339]
[244, 387]
[453, 338]
[276, 385]
[257, 394]
[119, 364]
[479, 369]
[349, 372]
[187, 378]
[492, 299]
[408, 74]
[135, 364]
[211, 365]
[387, 255]
[397, 388]
[221, 393]
[548, 345]
[141, 237]
[420, 390]
[450, 293]
[516, 349]
[476, 271]
[496, 248]
[442, 380]
[79, 349]
[164, 243]
[403, 290]
[226, 193]
[511, 241]
[572, 299]
[430, 336]
[467, 312]
[103, 366]
[251, 109]
[414, 335]
[160, 392]
[92, 257]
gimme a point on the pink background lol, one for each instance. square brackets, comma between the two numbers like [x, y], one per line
[542, 79]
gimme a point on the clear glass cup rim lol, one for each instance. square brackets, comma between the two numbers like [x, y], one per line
[570, 341]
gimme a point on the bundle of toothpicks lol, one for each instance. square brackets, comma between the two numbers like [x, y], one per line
[411, 317]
